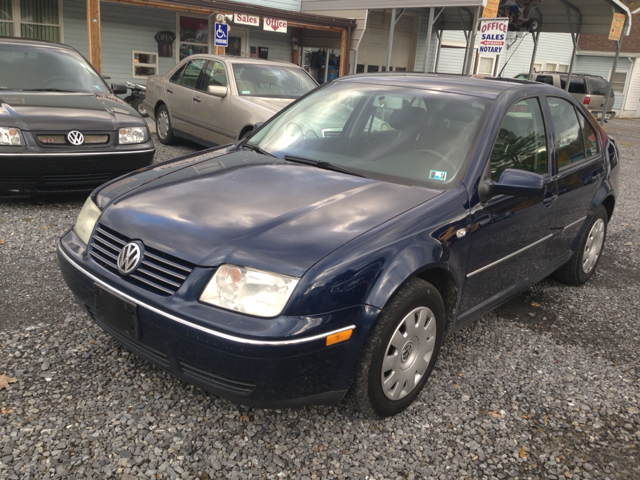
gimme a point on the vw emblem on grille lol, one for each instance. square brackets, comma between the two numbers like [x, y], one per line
[129, 258]
[75, 137]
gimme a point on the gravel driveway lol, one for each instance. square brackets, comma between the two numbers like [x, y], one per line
[547, 386]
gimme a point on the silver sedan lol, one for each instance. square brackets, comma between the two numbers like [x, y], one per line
[214, 100]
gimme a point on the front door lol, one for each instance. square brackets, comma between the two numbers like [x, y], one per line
[238, 39]
[509, 234]
[179, 93]
[211, 113]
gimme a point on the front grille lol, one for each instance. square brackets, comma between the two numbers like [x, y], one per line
[158, 272]
[99, 139]
[17, 179]
[73, 179]
[216, 381]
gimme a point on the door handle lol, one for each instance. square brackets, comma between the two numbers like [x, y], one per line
[197, 99]
[169, 90]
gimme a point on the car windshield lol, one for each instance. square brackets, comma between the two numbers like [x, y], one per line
[402, 135]
[271, 81]
[42, 68]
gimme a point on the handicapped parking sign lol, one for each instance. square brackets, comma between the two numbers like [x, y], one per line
[221, 37]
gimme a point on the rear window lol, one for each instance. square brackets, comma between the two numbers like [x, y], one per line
[576, 86]
[597, 86]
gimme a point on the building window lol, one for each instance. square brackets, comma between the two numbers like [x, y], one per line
[485, 65]
[537, 67]
[144, 64]
[6, 19]
[194, 36]
[618, 82]
[557, 67]
[37, 19]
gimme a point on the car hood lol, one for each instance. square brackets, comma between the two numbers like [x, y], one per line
[262, 212]
[56, 110]
[273, 105]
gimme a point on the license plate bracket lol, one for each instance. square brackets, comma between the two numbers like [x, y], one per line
[117, 312]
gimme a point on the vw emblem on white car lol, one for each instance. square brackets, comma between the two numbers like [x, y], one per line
[75, 137]
[129, 258]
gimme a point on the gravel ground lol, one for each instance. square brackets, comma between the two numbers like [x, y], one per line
[547, 386]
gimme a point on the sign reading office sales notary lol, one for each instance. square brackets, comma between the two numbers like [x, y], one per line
[275, 25]
[493, 34]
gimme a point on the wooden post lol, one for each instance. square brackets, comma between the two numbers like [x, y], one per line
[93, 34]
[219, 50]
[344, 55]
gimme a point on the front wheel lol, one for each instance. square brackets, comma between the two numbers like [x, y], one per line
[401, 351]
[585, 259]
[163, 126]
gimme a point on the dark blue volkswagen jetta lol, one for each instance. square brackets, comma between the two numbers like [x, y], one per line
[331, 251]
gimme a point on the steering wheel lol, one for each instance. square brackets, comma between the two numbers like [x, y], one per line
[440, 157]
[54, 79]
[294, 130]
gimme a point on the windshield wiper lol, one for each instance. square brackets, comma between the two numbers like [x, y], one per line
[45, 90]
[257, 149]
[320, 164]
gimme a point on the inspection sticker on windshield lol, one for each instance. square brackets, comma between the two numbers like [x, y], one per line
[437, 175]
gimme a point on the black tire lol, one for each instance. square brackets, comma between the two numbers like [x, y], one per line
[166, 137]
[573, 272]
[139, 106]
[367, 393]
[128, 99]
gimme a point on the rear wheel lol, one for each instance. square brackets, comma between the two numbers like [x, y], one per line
[401, 351]
[138, 104]
[163, 126]
[585, 259]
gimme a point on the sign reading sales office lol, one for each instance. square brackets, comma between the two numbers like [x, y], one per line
[275, 25]
[493, 34]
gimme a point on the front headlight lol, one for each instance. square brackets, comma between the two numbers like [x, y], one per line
[11, 136]
[130, 135]
[87, 220]
[249, 291]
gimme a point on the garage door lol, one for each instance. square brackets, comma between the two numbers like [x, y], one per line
[372, 55]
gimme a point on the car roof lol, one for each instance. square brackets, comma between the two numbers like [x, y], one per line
[35, 43]
[478, 86]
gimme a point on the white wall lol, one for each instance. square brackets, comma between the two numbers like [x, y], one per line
[602, 66]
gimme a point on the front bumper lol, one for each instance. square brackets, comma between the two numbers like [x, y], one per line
[255, 364]
[33, 173]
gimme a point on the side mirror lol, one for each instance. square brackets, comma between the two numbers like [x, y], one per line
[118, 88]
[217, 91]
[518, 183]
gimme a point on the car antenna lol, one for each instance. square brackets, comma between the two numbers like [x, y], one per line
[509, 59]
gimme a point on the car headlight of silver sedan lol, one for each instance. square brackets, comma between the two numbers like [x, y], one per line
[250, 291]
[87, 220]
[131, 135]
[11, 136]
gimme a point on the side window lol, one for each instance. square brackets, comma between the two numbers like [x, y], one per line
[522, 141]
[177, 76]
[590, 140]
[214, 74]
[192, 72]
[545, 79]
[569, 141]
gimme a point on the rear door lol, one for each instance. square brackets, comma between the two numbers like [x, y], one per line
[579, 166]
[509, 233]
[179, 92]
[210, 114]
